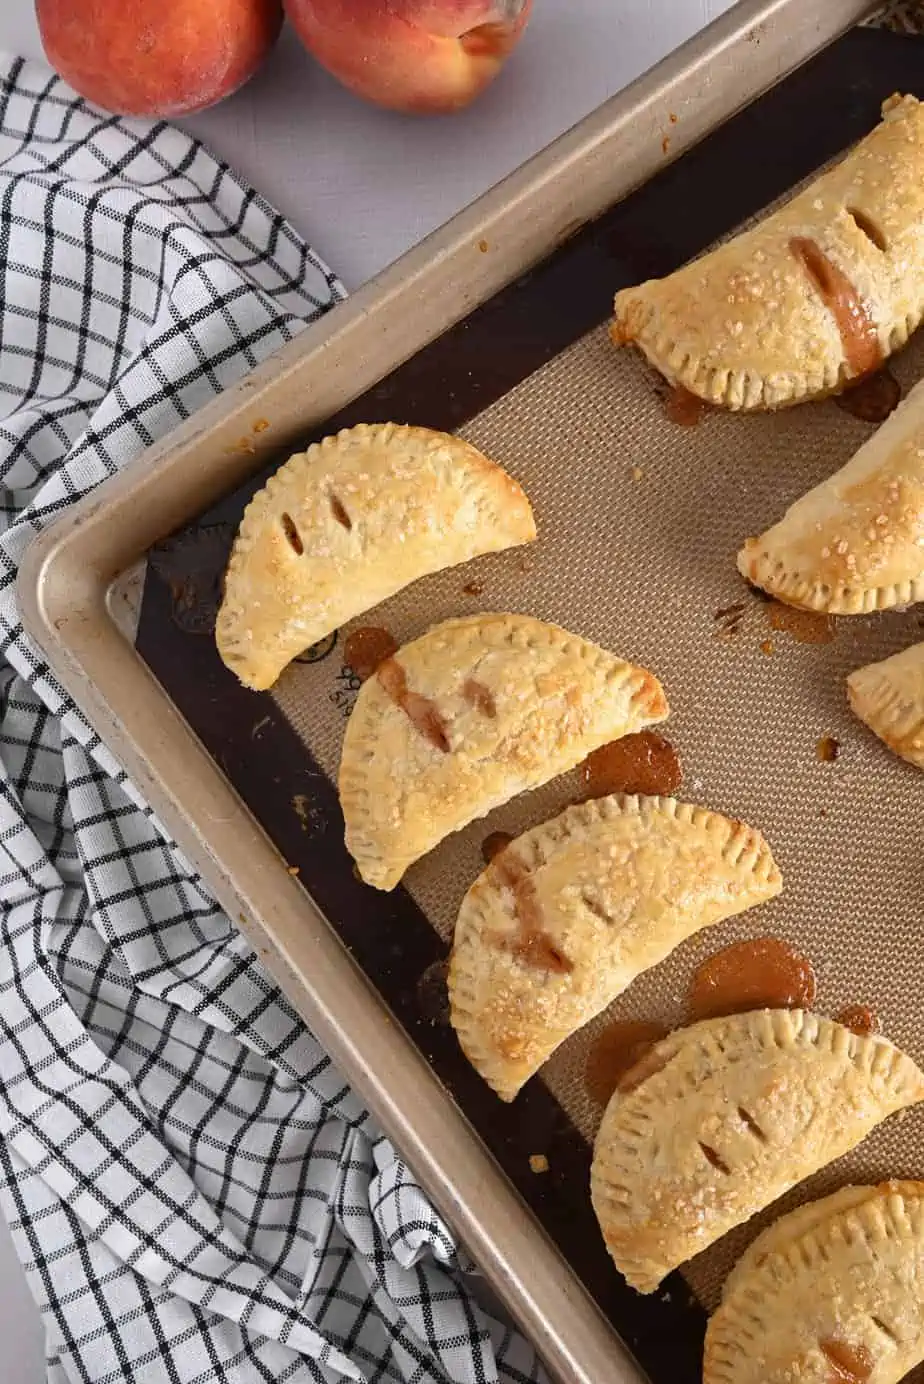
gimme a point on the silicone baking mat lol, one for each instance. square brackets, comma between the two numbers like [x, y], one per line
[639, 524]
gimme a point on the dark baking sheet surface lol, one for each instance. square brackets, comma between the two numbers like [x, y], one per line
[782, 138]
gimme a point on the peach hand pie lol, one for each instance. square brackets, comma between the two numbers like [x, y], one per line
[466, 717]
[721, 1118]
[565, 918]
[816, 295]
[345, 525]
[889, 697]
[856, 542]
[830, 1294]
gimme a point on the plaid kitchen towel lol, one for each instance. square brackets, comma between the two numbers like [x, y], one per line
[194, 1192]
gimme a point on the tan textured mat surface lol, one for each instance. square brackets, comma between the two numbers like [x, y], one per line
[639, 524]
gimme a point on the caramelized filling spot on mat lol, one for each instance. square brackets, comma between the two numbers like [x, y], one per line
[367, 648]
[619, 1048]
[873, 399]
[764, 973]
[293, 537]
[827, 749]
[643, 762]
[684, 408]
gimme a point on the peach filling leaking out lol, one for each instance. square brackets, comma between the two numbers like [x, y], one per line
[423, 714]
[857, 329]
[531, 943]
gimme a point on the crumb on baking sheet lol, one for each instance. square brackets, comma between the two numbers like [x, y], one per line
[827, 749]
[637, 473]
[261, 425]
[538, 1163]
[767, 646]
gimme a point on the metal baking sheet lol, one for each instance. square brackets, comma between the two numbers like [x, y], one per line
[628, 555]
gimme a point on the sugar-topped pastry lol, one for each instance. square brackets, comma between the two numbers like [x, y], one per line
[720, 1119]
[854, 543]
[466, 717]
[345, 525]
[830, 1294]
[565, 918]
[818, 294]
[889, 697]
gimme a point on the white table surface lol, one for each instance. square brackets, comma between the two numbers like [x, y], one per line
[363, 186]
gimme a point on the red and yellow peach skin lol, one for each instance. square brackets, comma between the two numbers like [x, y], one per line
[157, 57]
[411, 55]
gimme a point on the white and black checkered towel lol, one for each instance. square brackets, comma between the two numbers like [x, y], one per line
[194, 1192]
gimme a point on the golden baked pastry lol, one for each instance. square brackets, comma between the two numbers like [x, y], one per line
[816, 295]
[720, 1119]
[466, 717]
[889, 697]
[856, 542]
[830, 1294]
[345, 525]
[564, 919]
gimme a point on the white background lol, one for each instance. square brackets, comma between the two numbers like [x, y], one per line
[363, 185]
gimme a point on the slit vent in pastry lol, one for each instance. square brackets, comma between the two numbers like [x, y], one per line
[345, 525]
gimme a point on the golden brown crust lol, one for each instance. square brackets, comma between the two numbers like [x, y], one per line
[554, 696]
[889, 697]
[738, 1110]
[810, 298]
[830, 1292]
[617, 883]
[345, 525]
[854, 543]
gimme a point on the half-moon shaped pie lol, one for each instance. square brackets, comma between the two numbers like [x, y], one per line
[468, 716]
[889, 697]
[564, 919]
[830, 1294]
[720, 1119]
[345, 525]
[816, 295]
[856, 542]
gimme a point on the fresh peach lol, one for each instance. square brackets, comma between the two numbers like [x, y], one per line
[411, 55]
[157, 57]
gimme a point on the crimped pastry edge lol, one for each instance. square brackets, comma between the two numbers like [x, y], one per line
[752, 855]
